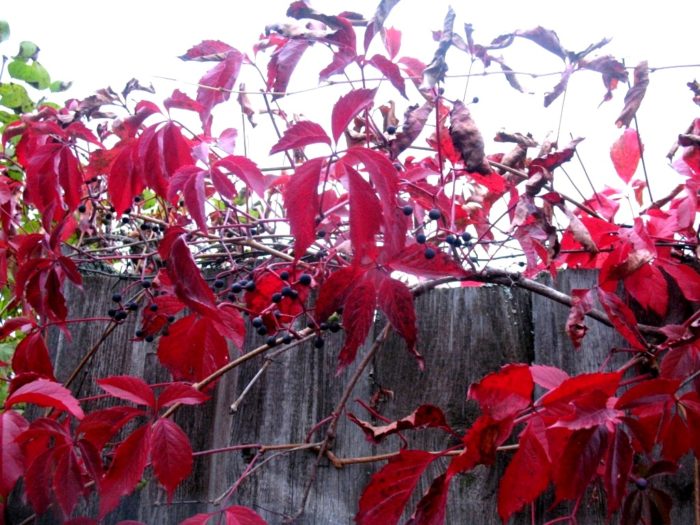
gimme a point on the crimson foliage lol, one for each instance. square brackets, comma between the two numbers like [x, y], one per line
[366, 223]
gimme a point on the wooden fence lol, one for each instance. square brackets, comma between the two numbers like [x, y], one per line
[464, 333]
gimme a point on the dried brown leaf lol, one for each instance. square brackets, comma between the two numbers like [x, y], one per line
[435, 71]
[635, 95]
[467, 139]
[414, 122]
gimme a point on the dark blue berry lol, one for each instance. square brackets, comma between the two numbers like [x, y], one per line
[257, 322]
[231, 297]
[120, 315]
[149, 338]
[305, 279]
[287, 339]
[287, 291]
[219, 283]
[117, 297]
[271, 341]
[262, 330]
[391, 130]
[407, 209]
[641, 483]
[321, 234]
[334, 327]
[171, 318]
[132, 306]
[452, 240]
[153, 307]
[319, 342]
[429, 253]
[236, 288]
[466, 236]
[276, 297]
[111, 312]
[250, 286]
[434, 214]
[139, 333]
[146, 284]
[82, 208]
[284, 275]
[420, 238]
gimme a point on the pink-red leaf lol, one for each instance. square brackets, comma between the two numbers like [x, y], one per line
[180, 100]
[432, 506]
[282, 64]
[129, 388]
[171, 454]
[181, 393]
[412, 260]
[302, 204]
[347, 107]
[396, 301]
[581, 385]
[387, 493]
[618, 465]
[579, 462]
[238, 515]
[622, 318]
[334, 291]
[391, 71]
[526, 476]
[127, 467]
[358, 316]
[214, 50]
[548, 377]
[301, 134]
[365, 214]
[246, 170]
[47, 394]
[189, 180]
[11, 457]
[504, 393]
[217, 83]
[625, 154]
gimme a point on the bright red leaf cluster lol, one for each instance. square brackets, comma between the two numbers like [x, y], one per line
[219, 247]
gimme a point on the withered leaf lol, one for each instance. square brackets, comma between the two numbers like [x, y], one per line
[246, 106]
[560, 87]
[695, 88]
[518, 138]
[435, 71]
[634, 96]
[612, 70]
[545, 38]
[376, 24]
[467, 139]
[414, 122]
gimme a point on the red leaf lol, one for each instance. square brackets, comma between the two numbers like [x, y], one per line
[396, 301]
[193, 349]
[432, 506]
[347, 107]
[125, 176]
[391, 71]
[412, 260]
[46, 394]
[67, 479]
[237, 515]
[181, 393]
[687, 279]
[189, 180]
[581, 385]
[425, 416]
[180, 100]
[526, 476]
[171, 454]
[625, 154]
[282, 64]
[190, 286]
[649, 288]
[658, 391]
[481, 443]
[618, 465]
[334, 291]
[376, 24]
[301, 134]
[246, 170]
[11, 457]
[365, 214]
[579, 462]
[208, 50]
[302, 204]
[503, 394]
[32, 355]
[548, 377]
[163, 150]
[129, 388]
[387, 493]
[216, 84]
[622, 318]
[358, 317]
[127, 467]
[99, 426]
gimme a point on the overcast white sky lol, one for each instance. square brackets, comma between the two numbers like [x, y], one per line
[95, 44]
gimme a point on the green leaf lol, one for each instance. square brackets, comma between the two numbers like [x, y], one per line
[59, 85]
[6, 118]
[15, 97]
[33, 74]
[4, 30]
[27, 50]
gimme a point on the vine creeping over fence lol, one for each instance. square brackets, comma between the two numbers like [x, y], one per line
[363, 217]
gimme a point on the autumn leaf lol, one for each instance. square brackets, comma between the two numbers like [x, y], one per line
[46, 393]
[301, 202]
[425, 416]
[301, 134]
[347, 107]
[467, 139]
[436, 70]
[171, 454]
[625, 154]
[635, 94]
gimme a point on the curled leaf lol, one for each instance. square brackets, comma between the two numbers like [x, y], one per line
[467, 139]
[635, 95]
[435, 71]
[413, 124]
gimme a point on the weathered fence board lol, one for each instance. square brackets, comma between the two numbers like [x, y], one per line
[464, 333]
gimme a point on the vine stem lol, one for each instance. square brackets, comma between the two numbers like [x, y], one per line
[86, 358]
[338, 410]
